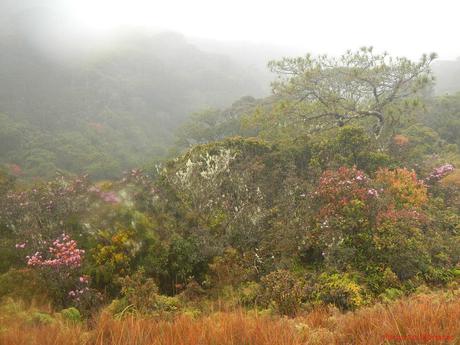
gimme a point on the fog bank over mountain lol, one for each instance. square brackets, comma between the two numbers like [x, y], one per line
[447, 73]
[101, 104]
[101, 101]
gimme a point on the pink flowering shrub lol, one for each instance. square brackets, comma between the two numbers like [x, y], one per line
[80, 288]
[86, 299]
[337, 189]
[369, 221]
[61, 267]
[373, 192]
[64, 253]
[440, 172]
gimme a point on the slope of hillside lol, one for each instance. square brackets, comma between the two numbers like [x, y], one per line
[101, 105]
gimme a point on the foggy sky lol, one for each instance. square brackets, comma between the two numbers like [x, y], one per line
[401, 27]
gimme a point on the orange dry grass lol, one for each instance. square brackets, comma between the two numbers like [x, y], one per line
[19, 334]
[425, 319]
[217, 329]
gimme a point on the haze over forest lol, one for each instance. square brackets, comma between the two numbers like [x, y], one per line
[104, 101]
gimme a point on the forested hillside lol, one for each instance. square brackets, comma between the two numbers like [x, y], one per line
[105, 105]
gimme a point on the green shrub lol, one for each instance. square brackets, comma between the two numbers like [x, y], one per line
[142, 294]
[378, 281]
[191, 312]
[118, 307]
[166, 304]
[340, 290]
[390, 295]
[71, 314]
[423, 290]
[456, 273]
[438, 276]
[411, 285]
[390, 279]
[139, 291]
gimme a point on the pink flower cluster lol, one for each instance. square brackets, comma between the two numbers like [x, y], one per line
[360, 176]
[78, 292]
[84, 279]
[373, 192]
[64, 251]
[440, 172]
[20, 245]
[94, 189]
[35, 260]
[110, 197]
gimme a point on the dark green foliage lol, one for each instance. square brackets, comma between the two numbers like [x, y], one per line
[184, 259]
[231, 268]
[141, 294]
[349, 146]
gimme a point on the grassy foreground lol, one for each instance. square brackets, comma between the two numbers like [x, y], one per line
[421, 319]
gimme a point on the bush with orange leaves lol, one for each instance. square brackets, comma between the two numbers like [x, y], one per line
[400, 140]
[401, 188]
[372, 224]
